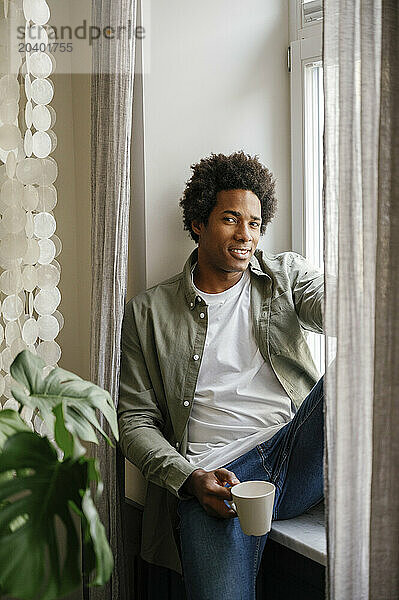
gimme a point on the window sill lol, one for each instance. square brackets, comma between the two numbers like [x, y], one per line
[305, 534]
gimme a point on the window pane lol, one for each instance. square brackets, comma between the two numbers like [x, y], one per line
[313, 151]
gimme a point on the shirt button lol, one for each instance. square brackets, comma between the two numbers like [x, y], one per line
[177, 444]
[195, 357]
[191, 304]
[186, 403]
[202, 315]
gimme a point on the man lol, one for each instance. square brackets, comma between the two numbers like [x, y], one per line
[218, 384]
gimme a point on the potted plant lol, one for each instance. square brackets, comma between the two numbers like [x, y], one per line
[49, 478]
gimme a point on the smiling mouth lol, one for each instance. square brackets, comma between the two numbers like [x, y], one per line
[240, 253]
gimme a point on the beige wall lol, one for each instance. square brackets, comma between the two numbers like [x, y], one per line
[72, 104]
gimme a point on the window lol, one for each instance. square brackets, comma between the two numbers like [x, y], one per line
[307, 122]
[313, 164]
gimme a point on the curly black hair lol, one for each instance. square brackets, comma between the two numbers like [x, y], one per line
[218, 172]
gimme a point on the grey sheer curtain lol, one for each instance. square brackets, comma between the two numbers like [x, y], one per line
[111, 109]
[361, 83]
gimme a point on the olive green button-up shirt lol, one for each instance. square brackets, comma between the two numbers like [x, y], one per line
[163, 339]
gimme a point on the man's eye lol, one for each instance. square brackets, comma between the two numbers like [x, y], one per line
[255, 224]
[229, 219]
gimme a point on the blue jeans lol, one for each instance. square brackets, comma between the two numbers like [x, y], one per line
[219, 561]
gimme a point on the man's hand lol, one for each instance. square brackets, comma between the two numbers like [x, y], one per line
[208, 488]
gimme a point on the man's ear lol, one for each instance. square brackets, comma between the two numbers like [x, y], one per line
[197, 227]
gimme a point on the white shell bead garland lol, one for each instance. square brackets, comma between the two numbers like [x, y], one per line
[47, 251]
[12, 332]
[42, 91]
[29, 275]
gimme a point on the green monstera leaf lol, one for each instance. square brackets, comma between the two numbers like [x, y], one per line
[65, 402]
[35, 560]
[10, 423]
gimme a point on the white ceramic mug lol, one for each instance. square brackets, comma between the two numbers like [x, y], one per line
[253, 502]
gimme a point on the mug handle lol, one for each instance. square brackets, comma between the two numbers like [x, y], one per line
[230, 502]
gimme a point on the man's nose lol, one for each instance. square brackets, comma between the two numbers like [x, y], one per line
[243, 233]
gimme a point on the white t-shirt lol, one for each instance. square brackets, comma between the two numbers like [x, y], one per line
[238, 402]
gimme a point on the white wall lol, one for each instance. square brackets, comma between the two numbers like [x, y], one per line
[216, 80]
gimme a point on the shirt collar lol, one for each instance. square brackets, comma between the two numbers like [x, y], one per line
[191, 295]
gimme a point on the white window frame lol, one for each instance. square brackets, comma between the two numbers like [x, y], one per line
[305, 48]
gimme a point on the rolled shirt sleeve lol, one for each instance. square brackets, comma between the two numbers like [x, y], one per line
[308, 294]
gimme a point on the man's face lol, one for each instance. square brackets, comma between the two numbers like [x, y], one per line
[230, 238]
